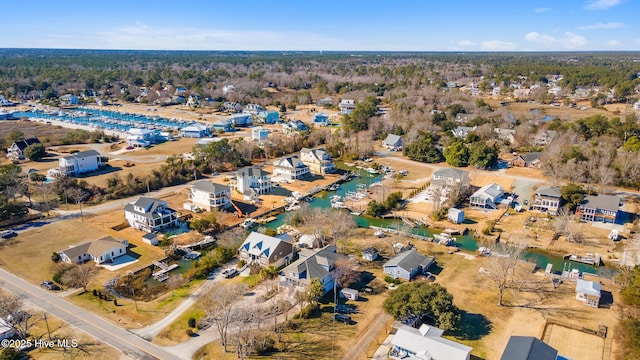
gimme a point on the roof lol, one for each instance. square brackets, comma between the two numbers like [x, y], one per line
[530, 157]
[252, 172]
[146, 203]
[491, 191]
[588, 287]
[409, 260]
[149, 236]
[552, 191]
[82, 154]
[528, 348]
[94, 248]
[392, 139]
[320, 154]
[316, 265]
[22, 144]
[289, 161]
[427, 343]
[450, 173]
[601, 201]
[210, 187]
[258, 244]
[195, 127]
[370, 251]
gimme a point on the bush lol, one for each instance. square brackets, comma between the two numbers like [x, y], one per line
[389, 280]
[489, 227]
[189, 332]
[57, 277]
[192, 322]
[55, 257]
[242, 263]
[440, 214]
[309, 311]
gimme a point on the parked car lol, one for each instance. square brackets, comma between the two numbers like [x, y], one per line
[229, 273]
[346, 309]
[345, 319]
[49, 285]
[5, 234]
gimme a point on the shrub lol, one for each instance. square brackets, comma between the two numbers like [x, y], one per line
[95, 292]
[189, 332]
[192, 322]
[115, 302]
[55, 257]
[57, 277]
[309, 311]
[242, 263]
[440, 214]
[389, 280]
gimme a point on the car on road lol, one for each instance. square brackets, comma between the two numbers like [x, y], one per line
[345, 319]
[49, 285]
[5, 234]
[229, 273]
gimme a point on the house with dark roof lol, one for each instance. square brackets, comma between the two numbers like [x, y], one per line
[392, 142]
[293, 126]
[77, 163]
[15, 151]
[208, 195]
[265, 250]
[252, 181]
[528, 348]
[530, 160]
[148, 214]
[548, 200]
[487, 197]
[311, 265]
[99, 251]
[599, 208]
[318, 161]
[426, 342]
[290, 168]
[407, 265]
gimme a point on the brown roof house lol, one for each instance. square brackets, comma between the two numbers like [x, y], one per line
[530, 160]
[100, 251]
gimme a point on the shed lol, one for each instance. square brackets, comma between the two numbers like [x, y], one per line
[370, 254]
[150, 238]
[588, 292]
[349, 294]
[456, 216]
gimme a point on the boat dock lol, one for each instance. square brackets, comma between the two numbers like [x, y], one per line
[394, 231]
[409, 222]
[162, 274]
[589, 259]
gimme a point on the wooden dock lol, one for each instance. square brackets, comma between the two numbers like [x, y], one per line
[394, 231]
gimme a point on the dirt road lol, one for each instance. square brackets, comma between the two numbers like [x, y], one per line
[359, 350]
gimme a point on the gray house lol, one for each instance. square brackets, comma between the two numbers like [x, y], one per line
[392, 142]
[407, 265]
[528, 348]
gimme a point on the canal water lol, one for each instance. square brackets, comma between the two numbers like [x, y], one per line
[464, 242]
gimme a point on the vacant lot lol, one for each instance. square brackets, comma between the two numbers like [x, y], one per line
[575, 344]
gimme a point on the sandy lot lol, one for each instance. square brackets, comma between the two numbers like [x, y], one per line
[575, 344]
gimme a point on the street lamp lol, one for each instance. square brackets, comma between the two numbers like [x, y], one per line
[44, 317]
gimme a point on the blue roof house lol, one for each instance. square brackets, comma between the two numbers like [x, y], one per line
[269, 117]
[224, 125]
[241, 120]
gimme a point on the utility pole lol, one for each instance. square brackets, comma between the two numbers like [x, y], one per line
[44, 316]
[134, 298]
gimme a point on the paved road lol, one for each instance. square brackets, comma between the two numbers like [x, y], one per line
[131, 345]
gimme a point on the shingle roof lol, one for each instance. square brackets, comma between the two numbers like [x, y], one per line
[588, 287]
[253, 172]
[450, 173]
[210, 187]
[94, 248]
[258, 244]
[146, 203]
[289, 161]
[429, 344]
[409, 260]
[601, 201]
[552, 191]
[82, 154]
[22, 144]
[528, 348]
[313, 264]
[532, 156]
[392, 139]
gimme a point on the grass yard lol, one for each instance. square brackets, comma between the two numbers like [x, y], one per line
[574, 344]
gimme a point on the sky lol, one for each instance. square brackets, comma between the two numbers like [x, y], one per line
[329, 25]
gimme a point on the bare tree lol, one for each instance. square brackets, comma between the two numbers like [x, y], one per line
[502, 267]
[175, 281]
[221, 306]
[79, 276]
[345, 271]
[12, 310]
[342, 226]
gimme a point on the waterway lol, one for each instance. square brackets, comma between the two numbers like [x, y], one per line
[464, 242]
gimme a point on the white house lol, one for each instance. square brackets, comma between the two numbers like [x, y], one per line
[195, 131]
[15, 151]
[347, 106]
[77, 163]
[487, 197]
[426, 343]
[148, 214]
[253, 109]
[370, 254]
[463, 131]
[311, 265]
[544, 137]
[259, 134]
[252, 181]
[393, 142]
[318, 161]
[99, 251]
[451, 177]
[207, 195]
[6, 330]
[265, 250]
[228, 89]
[290, 168]
[141, 137]
[588, 292]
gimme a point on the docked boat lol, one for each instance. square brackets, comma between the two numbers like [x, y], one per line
[371, 170]
[334, 187]
[588, 259]
[443, 239]
[292, 207]
[356, 213]
[485, 251]
[248, 223]
[452, 231]
[379, 233]
[338, 205]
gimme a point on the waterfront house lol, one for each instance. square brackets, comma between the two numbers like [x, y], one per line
[148, 214]
[208, 195]
[321, 119]
[100, 251]
[290, 168]
[223, 125]
[407, 265]
[370, 254]
[544, 137]
[195, 131]
[268, 117]
[426, 342]
[599, 208]
[347, 106]
[150, 238]
[15, 151]
[78, 163]
[319, 264]
[530, 160]
[265, 250]
[253, 109]
[240, 120]
[392, 142]
[259, 134]
[528, 348]
[253, 181]
[548, 200]
[462, 131]
[450, 177]
[68, 100]
[318, 161]
[487, 197]
[141, 137]
[588, 292]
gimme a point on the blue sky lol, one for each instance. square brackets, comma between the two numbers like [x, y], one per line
[374, 25]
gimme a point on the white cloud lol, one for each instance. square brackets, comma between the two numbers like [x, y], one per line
[614, 43]
[497, 45]
[547, 42]
[541, 10]
[601, 4]
[598, 26]
[466, 43]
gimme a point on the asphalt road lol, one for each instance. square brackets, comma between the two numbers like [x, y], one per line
[130, 344]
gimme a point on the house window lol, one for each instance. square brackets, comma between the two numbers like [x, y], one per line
[112, 253]
[120, 251]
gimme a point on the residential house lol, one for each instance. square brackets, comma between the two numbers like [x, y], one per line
[6, 330]
[487, 197]
[265, 250]
[252, 181]
[180, 91]
[6, 102]
[599, 208]
[195, 131]
[555, 90]
[290, 168]
[69, 100]
[78, 163]
[347, 106]
[150, 238]
[521, 93]
[223, 125]
[100, 251]
[544, 137]
[193, 100]
[328, 101]
[407, 265]
[293, 126]
[450, 177]
[506, 134]
[528, 348]
[150, 214]
[426, 342]
[582, 93]
[15, 151]
[463, 131]
[319, 264]
[259, 134]
[253, 109]
[548, 200]
[462, 118]
[588, 292]
[370, 254]
[231, 106]
[268, 117]
[452, 84]
[318, 161]
[141, 137]
[208, 195]
[496, 91]
[228, 89]
[393, 142]
[165, 136]
[241, 120]
[321, 119]
[530, 160]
